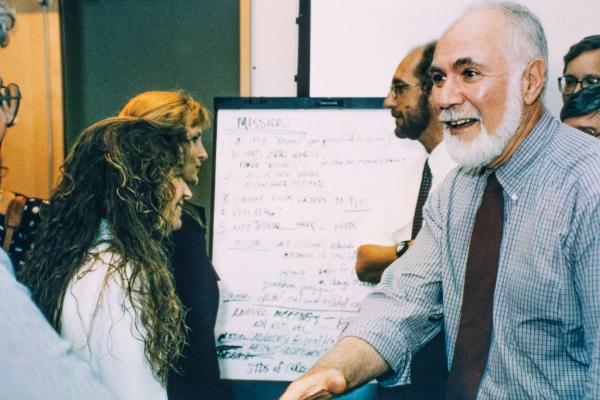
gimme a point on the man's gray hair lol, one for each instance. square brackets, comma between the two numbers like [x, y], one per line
[527, 40]
[7, 22]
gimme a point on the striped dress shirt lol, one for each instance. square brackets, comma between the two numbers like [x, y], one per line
[546, 316]
[35, 363]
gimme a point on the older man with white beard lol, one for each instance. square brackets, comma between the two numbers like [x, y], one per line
[508, 259]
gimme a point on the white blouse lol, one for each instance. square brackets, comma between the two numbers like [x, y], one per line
[98, 319]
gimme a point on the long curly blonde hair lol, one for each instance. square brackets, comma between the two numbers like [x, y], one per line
[119, 170]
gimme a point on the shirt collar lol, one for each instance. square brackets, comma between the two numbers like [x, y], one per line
[512, 175]
[103, 237]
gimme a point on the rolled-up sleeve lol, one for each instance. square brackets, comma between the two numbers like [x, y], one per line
[405, 309]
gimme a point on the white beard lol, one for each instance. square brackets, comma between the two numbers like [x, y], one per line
[485, 147]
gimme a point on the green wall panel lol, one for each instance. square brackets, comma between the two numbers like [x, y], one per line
[114, 49]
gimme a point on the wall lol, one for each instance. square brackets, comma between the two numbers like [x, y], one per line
[355, 51]
[116, 49]
[274, 47]
[32, 163]
[356, 45]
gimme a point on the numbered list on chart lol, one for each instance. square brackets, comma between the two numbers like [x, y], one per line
[292, 188]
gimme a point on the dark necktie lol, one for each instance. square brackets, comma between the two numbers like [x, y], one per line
[475, 327]
[423, 193]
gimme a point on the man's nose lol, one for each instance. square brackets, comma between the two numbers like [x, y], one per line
[446, 95]
[579, 85]
[390, 100]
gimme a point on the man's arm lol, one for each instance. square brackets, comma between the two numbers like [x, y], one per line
[399, 317]
[35, 363]
[396, 319]
[381, 230]
[586, 254]
[372, 260]
[349, 364]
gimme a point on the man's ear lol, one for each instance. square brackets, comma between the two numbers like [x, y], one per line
[533, 81]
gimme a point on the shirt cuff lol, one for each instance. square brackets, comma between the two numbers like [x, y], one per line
[384, 337]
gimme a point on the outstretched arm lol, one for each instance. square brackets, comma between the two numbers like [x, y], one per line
[349, 364]
[397, 318]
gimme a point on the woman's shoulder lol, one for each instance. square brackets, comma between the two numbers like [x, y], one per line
[31, 210]
[84, 295]
[97, 291]
[95, 273]
[102, 274]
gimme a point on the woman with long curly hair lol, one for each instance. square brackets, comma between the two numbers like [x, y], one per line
[195, 278]
[99, 270]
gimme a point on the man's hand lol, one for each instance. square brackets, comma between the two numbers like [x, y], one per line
[350, 363]
[318, 383]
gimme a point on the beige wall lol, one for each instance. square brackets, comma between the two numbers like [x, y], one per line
[25, 151]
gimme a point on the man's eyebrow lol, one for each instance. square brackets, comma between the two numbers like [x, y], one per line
[465, 62]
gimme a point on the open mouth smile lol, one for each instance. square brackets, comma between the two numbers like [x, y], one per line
[460, 123]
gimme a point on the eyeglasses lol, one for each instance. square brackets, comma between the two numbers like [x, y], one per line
[10, 97]
[568, 83]
[399, 88]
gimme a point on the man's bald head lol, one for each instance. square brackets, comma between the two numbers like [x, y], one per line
[408, 98]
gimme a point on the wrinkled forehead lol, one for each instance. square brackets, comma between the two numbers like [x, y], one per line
[481, 36]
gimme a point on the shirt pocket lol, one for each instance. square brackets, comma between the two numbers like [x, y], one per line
[533, 303]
